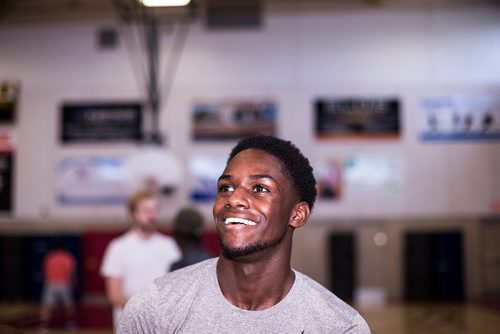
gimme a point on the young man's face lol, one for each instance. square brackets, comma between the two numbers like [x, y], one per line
[254, 205]
[146, 214]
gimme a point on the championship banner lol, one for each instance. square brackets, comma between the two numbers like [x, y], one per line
[328, 175]
[9, 94]
[233, 119]
[357, 118]
[6, 181]
[7, 161]
[101, 122]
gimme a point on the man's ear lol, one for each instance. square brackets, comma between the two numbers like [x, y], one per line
[300, 215]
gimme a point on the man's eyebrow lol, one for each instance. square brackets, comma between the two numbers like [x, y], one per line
[253, 177]
[225, 177]
[262, 176]
[266, 176]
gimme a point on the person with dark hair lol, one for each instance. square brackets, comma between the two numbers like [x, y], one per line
[188, 229]
[266, 191]
[140, 255]
[59, 268]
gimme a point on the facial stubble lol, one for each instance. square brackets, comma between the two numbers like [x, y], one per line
[256, 247]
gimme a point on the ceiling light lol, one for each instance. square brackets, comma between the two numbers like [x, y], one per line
[164, 3]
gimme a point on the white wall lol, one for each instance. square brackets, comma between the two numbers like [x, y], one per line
[295, 57]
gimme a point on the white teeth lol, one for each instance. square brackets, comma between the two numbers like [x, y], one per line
[239, 221]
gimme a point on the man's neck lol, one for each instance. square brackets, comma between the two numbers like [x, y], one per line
[255, 285]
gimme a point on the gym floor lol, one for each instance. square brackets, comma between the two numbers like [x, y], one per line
[415, 318]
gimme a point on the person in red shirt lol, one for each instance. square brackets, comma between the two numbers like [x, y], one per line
[59, 267]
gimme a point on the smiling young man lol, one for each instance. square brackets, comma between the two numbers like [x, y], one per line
[266, 191]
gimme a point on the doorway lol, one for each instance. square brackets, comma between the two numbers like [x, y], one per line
[342, 263]
[434, 266]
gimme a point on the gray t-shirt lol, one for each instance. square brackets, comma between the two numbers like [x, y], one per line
[189, 300]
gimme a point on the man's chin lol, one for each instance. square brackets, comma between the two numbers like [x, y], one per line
[241, 252]
[234, 253]
[147, 229]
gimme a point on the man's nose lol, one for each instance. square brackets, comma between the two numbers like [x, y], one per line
[239, 198]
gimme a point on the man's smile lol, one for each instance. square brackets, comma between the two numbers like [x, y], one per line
[238, 221]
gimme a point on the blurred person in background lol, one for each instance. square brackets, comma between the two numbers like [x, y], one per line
[188, 229]
[135, 258]
[59, 269]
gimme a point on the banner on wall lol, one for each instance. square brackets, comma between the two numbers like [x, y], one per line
[6, 180]
[7, 155]
[352, 118]
[205, 171]
[374, 177]
[92, 181]
[100, 122]
[9, 94]
[495, 205]
[460, 117]
[328, 179]
[233, 119]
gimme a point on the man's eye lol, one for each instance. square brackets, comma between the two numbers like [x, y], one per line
[260, 189]
[225, 188]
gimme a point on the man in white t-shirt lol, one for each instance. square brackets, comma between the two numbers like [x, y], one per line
[142, 254]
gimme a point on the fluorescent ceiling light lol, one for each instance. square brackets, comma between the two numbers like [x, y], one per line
[164, 3]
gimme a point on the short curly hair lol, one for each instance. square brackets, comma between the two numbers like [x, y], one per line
[296, 166]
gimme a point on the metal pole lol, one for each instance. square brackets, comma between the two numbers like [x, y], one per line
[153, 94]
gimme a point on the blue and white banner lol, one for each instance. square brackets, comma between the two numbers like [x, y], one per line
[460, 117]
[374, 177]
[92, 181]
[205, 171]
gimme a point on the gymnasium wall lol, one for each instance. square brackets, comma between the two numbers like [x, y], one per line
[300, 53]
